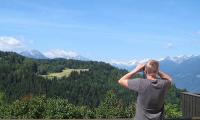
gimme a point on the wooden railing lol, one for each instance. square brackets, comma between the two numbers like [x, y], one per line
[191, 105]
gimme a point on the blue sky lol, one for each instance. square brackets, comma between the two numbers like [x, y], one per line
[102, 29]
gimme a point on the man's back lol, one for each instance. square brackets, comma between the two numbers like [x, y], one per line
[151, 91]
[150, 100]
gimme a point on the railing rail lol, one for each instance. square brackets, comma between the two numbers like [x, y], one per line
[190, 105]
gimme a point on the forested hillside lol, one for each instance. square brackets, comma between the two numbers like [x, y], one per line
[21, 83]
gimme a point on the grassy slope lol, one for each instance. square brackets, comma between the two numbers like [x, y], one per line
[66, 72]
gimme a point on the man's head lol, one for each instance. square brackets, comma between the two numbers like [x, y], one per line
[152, 68]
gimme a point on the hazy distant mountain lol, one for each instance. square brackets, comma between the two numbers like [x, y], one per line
[74, 58]
[129, 65]
[56, 54]
[79, 58]
[185, 70]
[33, 54]
[186, 74]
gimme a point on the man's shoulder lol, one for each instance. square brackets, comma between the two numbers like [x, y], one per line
[142, 80]
[164, 81]
[159, 81]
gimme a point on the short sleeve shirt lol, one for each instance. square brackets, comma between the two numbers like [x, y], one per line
[150, 100]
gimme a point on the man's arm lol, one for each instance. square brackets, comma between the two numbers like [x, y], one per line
[165, 76]
[124, 80]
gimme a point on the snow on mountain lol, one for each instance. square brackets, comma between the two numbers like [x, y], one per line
[33, 54]
[131, 63]
[178, 59]
[57, 53]
[128, 63]
[52, 54]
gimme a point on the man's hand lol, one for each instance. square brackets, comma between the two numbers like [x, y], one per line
[124, 80]
[139, 68]
[165, 76]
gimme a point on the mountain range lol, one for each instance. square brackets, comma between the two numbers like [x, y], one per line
[35, 54]
[184, 70]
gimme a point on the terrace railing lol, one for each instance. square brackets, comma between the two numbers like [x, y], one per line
[191, 105]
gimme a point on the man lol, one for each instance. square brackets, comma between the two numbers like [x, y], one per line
[151, 90]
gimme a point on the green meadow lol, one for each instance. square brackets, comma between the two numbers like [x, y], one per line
[65, 73]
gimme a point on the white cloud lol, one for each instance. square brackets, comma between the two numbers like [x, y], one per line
[58, 53]
[10, 43]
[169, 45]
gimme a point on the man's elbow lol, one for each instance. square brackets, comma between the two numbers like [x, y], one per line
[170, 79]
[123, 82]
[120, 81]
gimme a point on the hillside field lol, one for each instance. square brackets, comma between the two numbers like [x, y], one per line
[66, 72]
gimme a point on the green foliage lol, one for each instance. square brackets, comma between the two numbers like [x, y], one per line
[173, 95]
[17, 109]
[40, 108]
[130, 110]
[2, 98]
[62, 109]
[110, 107]
[172, 111]
[5, 111]
[37, 107]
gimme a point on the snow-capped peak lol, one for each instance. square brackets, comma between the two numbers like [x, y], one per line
[178, 59]
[58, 53]
[132, 62]
[33, 54]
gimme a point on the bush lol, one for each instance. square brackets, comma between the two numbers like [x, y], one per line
[172, 111]
[110, 107]
[40, 108]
